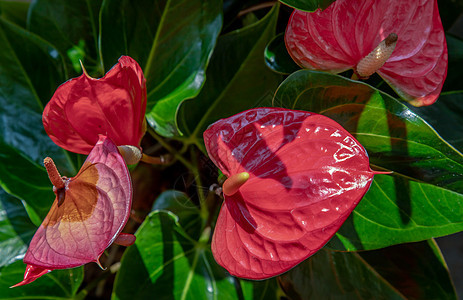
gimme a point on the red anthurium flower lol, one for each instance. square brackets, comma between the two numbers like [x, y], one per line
[88, 214]
[406, 36]
[84, 107]
[293, 179]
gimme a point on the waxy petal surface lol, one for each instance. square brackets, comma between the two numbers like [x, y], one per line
[337, 38]
[84, 107]
[95, 209]
[306, 174]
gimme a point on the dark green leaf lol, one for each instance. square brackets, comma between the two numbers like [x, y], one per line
[167, 264]
[455, 49]
[446, 116]
[336, 275]
[14, 11]
[398, 210]
[43, 76]
[417, 270]
[307, 5]
[449, 11]
[28, 74]
[181, 205]
[16, 230]
[59, 284]
[171, 40]
[261, 290]
[238, 78]
[277, 57]
[423, 198]
[65, 24]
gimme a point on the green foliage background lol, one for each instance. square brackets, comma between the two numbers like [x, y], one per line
[205, 60]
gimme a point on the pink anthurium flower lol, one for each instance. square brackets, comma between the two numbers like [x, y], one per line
[88, 215]
[403, 41]
[84, 107]
[293, 179]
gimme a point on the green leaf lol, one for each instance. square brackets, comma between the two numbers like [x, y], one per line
[449, 11]
[26, 65]
[277, 57]
[409, 271]
[307, 5]
[445, 116]
[261, 290]
[66, 24]
[171, 40]
[59, 284]
[417, 270]
[422, 198]
[340, 275]
[455, 52]
[415, 211]
[167, 264]
[14, 11]
[237, 79]
[16, 230]
[180, 204]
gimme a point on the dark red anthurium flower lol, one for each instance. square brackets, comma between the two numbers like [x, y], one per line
[88, 215]
[84, 107]
[403, 41]
[293, 179]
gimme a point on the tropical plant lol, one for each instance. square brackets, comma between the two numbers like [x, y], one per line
[251, 175]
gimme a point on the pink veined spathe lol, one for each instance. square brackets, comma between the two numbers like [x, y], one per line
[306, 175]
[95, 209]
[84, 107]
[337, 38]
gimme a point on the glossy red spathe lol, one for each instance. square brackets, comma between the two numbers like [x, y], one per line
[84, 107]
[339, 37]
[306, 175]
[87, 216]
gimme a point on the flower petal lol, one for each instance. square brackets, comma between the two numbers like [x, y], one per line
[84, 107]
[306, 174]
[95, 209]
[31, 274]
[337, 38]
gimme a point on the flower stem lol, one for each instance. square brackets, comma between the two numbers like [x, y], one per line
[169, 148]
[204, 211]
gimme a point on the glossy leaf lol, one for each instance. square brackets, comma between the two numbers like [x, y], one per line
[26, 65]
[172, 41]
[277, 57]
[421, 195]
[166, 262]
[340, 275]
[65, 24]
[14, 11]
[411, 271]
[84, 107]
[417, 270]
[16, 229]
[182, 206]
[445, 116]
[237, 79]
[61, 284]
[88, 214]
[307, 5]
[306, 174]
[339, 37]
